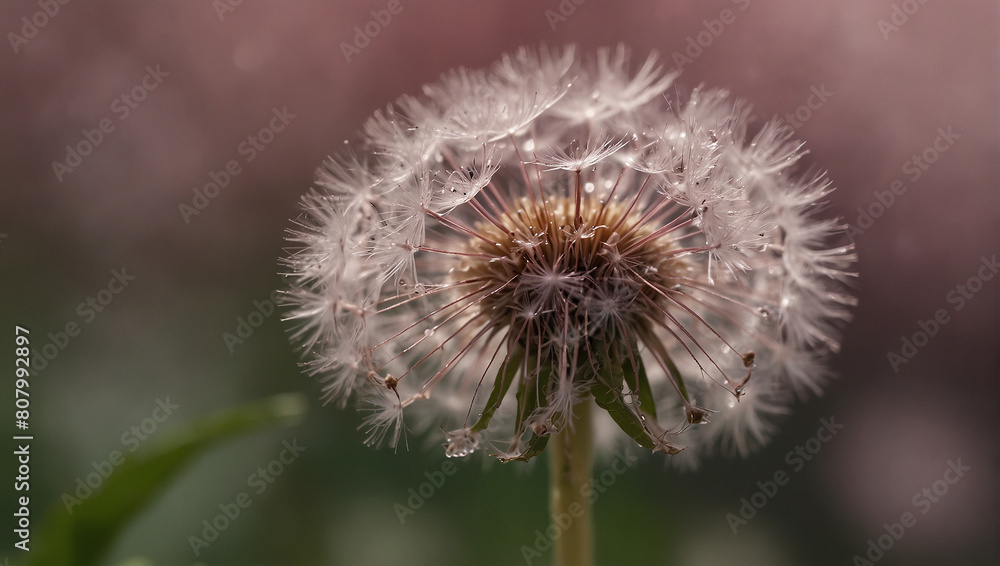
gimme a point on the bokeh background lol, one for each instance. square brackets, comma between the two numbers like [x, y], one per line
[229, 65]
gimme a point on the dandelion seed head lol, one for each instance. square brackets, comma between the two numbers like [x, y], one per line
[554, 230]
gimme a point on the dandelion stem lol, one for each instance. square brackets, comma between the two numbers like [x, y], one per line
[570, 462]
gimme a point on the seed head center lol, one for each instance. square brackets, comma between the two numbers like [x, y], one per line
[577, 269]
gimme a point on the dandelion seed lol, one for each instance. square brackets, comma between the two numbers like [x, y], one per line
[577, 157]
[553, 230]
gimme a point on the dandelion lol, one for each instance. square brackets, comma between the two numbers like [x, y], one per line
[522, 242]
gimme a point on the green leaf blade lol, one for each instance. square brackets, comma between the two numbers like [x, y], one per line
[81, 537]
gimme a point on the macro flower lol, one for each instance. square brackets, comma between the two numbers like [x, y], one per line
[557, 229]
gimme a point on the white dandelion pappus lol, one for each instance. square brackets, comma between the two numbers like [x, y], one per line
[552, 230]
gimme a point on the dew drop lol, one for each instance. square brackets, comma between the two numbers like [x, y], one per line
[529, 145]
[429, 332]
[461, 443]
[588, 187]
[419, 289]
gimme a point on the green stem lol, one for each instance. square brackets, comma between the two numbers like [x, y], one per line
[569, 471]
